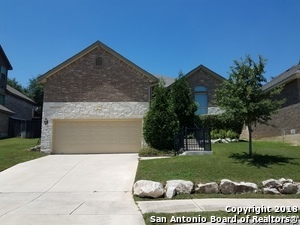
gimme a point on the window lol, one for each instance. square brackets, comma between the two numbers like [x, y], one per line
[99, 61]
[2, 99]
[201, 99]
[3, 73]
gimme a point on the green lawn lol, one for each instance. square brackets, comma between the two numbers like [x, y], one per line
[15, 150]
[230, 161]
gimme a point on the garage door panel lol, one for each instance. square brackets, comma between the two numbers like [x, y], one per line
[86, 136]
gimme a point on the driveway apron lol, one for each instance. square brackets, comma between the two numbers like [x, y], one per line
[70, 190]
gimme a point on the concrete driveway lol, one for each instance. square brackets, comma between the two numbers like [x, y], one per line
[70, 189]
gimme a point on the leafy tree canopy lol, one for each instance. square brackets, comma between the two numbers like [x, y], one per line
[243, 98]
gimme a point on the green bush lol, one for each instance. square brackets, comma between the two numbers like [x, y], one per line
[216, 134]
[219, 122]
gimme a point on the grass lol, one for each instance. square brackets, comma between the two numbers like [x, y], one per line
[230, 161]
[15, 150]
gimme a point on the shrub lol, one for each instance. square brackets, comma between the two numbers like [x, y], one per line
[148, 151]
[160, 122]
[219, 122]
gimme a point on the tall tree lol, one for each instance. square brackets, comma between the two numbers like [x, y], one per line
[183, 103]
[243, 98]
[160, 122]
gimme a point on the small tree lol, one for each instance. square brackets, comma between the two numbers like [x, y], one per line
[243, 98]
[181, 97]
[160, 122]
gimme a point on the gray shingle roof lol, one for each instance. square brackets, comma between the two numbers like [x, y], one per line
[283, 78]
[5, 110]
[18, 94]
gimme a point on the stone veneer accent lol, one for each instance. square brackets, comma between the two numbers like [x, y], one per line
[87, 110]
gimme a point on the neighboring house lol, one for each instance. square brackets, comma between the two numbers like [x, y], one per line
[95, 102]
[13, 104]
[5, 113]
[286, 123]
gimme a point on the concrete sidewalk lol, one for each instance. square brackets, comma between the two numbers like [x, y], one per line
[210, 204]
[201, 205]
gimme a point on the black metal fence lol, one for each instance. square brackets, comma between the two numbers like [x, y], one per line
[24, 128]
[192, 139]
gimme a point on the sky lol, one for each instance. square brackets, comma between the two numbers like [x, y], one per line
[161, 36]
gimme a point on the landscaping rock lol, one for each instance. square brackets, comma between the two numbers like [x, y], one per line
[272, 191]
[246, 187]
[230, 187]
[298, 191]
[36, 148]
[227, 187]
[208, 188]
[170, 192]
[181, 186]
[148, 188]
[289, 188]
[271, 183]
[216, 141]
[282, 181]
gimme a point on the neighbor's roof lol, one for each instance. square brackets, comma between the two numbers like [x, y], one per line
[168, 80]
[5, 110]
[18, 94]
[5, 58]
[97, 44]
[285, 77]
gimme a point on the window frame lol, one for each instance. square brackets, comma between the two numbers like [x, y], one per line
[198, 91]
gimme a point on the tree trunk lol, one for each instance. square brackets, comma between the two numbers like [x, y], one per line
[250, 140]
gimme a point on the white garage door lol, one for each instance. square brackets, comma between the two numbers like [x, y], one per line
[96, 136]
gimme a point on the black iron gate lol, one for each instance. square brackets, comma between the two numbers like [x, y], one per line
[192, 139]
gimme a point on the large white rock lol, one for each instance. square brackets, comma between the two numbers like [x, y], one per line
[246, 187]
[230, 187]
[148, 188]
[289, 188]
[181, 186]
[208, 188]
[283, 181]
[271, 183]
[170, 192]
[272, 191]
[227, 187]
[298, 191]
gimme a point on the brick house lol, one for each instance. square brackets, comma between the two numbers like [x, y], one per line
[13, 104]
[287, 121]
[95, 102]
[202, 82]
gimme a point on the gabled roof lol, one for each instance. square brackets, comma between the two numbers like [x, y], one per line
[97, 44]
[18, 94]
[201, 67]
[285, 77]
[5, 58]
